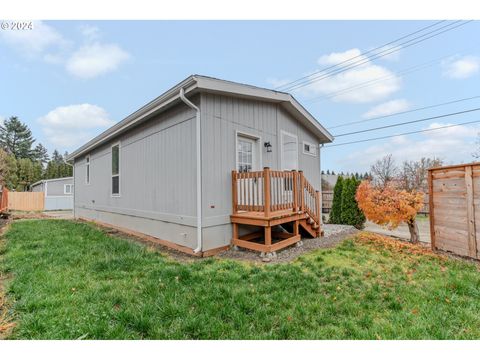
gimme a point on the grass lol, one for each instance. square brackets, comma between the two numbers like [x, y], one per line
[70, 280]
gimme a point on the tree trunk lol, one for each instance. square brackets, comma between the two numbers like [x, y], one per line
[414, 234]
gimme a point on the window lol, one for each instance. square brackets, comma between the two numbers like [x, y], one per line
[309, 149]
[289, 155]
[116, 170]
[68, 189]
[245, 154]
[87, 170]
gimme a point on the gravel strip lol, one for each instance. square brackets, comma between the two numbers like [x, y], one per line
[334, 234]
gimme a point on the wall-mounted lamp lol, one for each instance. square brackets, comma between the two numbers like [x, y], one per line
[268, 146]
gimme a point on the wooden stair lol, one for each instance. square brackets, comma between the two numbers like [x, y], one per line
[269, 198]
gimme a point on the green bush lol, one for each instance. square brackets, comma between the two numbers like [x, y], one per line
[336, 211]
[350, 214]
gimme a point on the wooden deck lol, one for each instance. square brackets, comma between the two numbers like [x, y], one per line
[269, 198]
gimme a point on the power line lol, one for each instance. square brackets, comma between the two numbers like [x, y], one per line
[376, 80]
[404, 112]
[403, 134]
[320, 75]
[408, 122]
[376, 56]
[361, 55]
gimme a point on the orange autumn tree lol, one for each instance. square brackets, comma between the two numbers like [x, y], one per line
[390, 206]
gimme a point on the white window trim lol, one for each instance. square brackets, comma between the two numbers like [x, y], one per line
[88, 164]
[283, 132]
[312, 146]
[65, 189]
[258, 139]
[119, 170]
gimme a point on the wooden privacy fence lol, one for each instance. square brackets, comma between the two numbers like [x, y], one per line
[26, 201]
[455, 209]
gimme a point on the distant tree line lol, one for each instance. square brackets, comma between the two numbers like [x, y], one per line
[355, 175]
[23, 163]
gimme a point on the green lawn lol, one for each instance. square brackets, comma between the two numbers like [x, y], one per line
[70, 280]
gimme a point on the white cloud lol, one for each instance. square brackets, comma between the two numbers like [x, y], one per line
[35, 42]
[387, 108]
[96, 59]
[364, 71]
[461, 67]
[70, 126]
[44, 42]
[90, 32]
[438, 144]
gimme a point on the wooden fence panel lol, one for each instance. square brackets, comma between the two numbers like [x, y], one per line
[455, 209]
[26, 201]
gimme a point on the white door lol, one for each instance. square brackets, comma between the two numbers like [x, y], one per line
[289, 161]
[289, 155]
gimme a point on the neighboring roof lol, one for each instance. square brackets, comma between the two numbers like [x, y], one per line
[197, 83]
[48, 180]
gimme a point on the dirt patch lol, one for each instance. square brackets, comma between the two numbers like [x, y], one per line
[334, 234]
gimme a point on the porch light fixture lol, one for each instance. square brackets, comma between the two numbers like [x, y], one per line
[268, 146]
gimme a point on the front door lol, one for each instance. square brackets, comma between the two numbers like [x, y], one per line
[289, 161]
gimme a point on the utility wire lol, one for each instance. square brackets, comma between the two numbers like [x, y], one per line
[320, 75]
[402, 134]
[405, 112]
[399, 47]
[361, 55]
[408, 122]
[376, 80]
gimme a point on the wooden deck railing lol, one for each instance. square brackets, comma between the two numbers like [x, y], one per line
[270, 190]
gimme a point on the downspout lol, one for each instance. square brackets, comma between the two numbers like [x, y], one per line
[199, 170]
[73, 175]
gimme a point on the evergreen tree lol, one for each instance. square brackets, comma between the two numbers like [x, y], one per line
[350, 213]
[25, 173]
[16, 138]
[328, 172]
[335, 213]
[40, 154]
[8, 170]
[333, 172]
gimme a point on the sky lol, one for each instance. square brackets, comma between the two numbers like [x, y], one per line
[70, 80]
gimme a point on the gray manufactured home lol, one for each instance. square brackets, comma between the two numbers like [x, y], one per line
[58, 193]
[208, 164]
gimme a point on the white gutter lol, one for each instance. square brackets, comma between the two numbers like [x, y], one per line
[199, 170]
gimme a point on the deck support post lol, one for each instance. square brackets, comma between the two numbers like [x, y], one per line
[268, 235]
[302, 186]
[319, 212]
[295, 190]
[266, 191]
[234, 192]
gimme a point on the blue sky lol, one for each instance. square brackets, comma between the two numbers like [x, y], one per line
[69, 80]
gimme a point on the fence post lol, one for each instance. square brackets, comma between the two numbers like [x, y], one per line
[234, 192]
[431, 208]
[266, 191]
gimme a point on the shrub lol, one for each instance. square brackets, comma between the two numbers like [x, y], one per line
[335, 213]
[350, 212]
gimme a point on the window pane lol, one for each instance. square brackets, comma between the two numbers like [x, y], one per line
[115, 160]
[115, 184]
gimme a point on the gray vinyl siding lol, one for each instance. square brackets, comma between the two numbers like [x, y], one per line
[157, 179]
[222, 117]
[37, 188]
[158, 168]
[56, 187]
